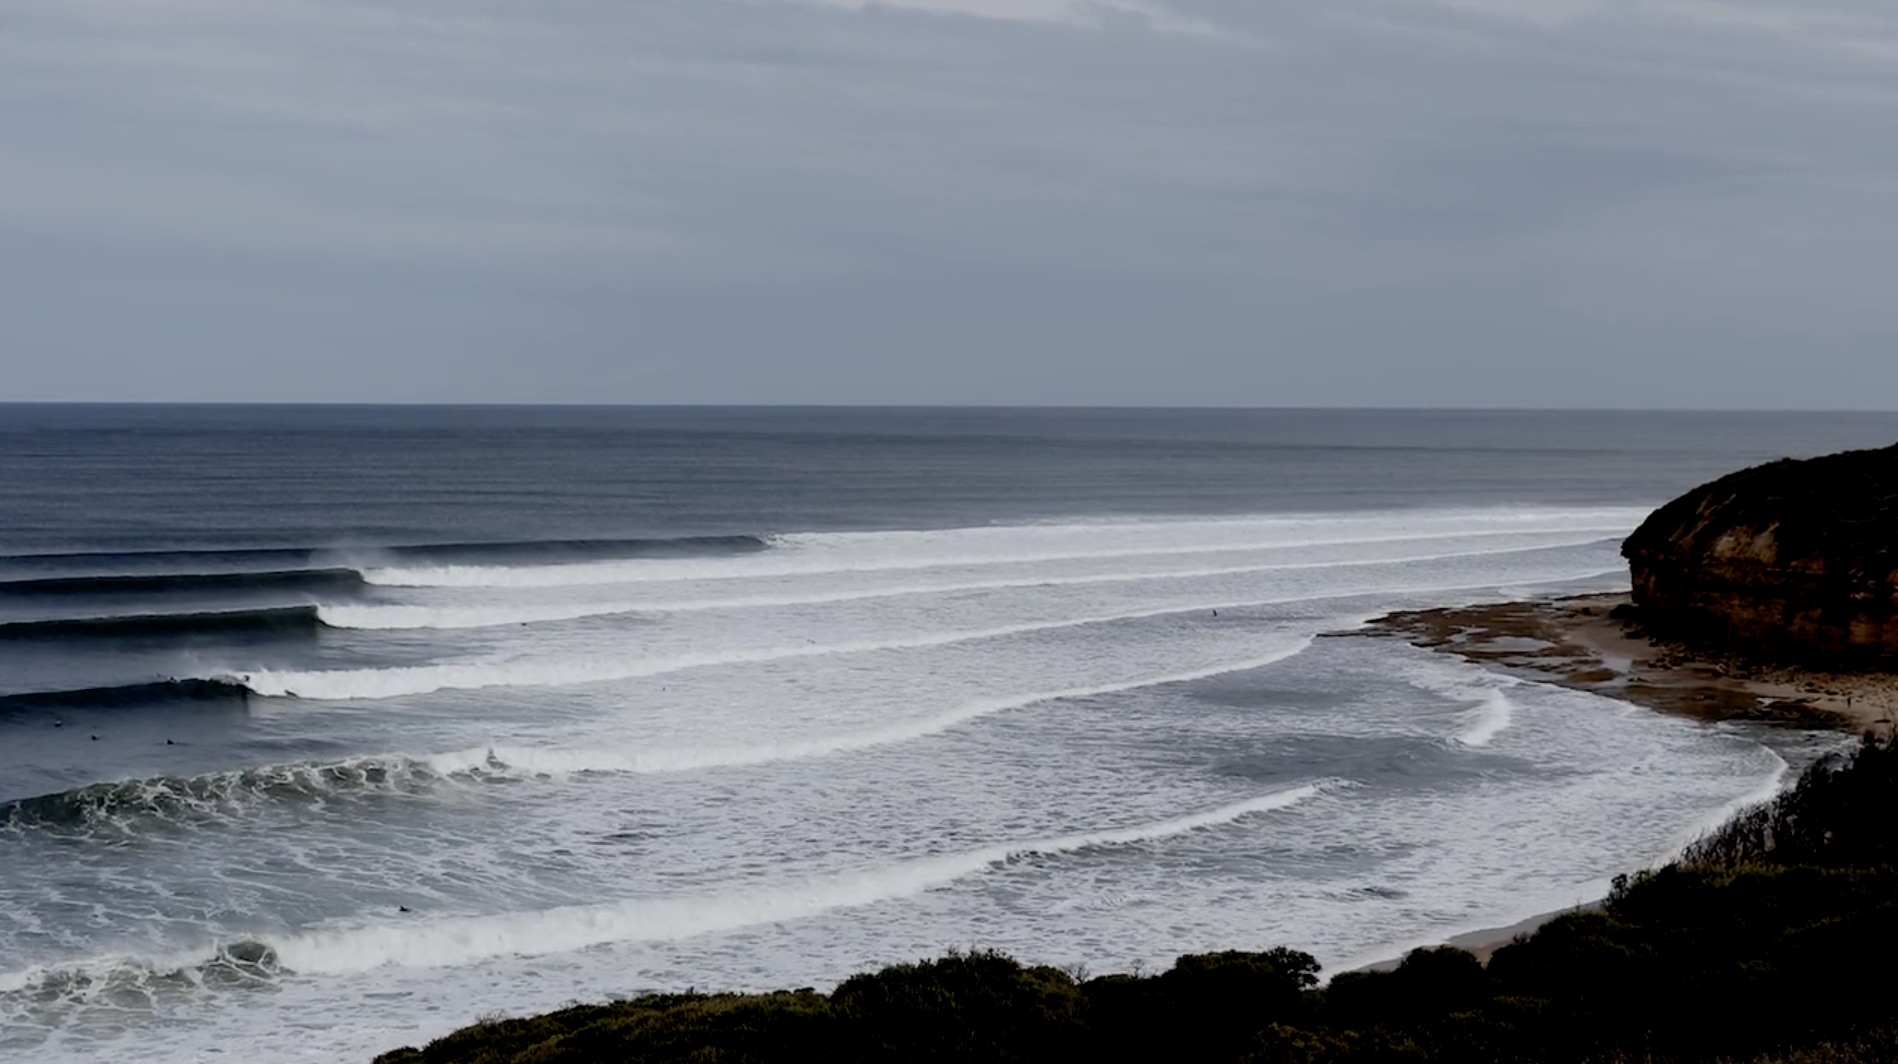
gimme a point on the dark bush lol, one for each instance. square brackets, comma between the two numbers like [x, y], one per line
[977, 1006]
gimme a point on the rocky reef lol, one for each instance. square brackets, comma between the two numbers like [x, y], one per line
[1793, 562]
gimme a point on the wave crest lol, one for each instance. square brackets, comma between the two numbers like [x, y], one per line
[463, 940]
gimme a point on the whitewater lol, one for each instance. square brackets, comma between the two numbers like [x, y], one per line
[357, 773]
[595, 783]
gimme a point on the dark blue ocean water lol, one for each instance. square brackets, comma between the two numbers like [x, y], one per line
[121, 478]
[457, 709]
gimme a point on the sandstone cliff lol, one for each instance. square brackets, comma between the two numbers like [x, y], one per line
[1794, 561]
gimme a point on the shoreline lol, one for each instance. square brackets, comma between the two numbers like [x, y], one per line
[1590, 643]
[1481, 942]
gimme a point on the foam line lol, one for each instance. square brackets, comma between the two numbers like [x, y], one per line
[460, 941]
[467, 940]
[366, 684]
[787, 562]
[120, 805]
[1765, 792]
[451, 617]
[557, 760]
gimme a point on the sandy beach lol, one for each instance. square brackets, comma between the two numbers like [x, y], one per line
[1589, 643]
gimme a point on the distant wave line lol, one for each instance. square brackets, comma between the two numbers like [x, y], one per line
[270, 619]
[370, 684]
[557, 760]
[157, 562]
[190, 689]
[620, 572]
[397, 617]
[121, 802]
[308, 580]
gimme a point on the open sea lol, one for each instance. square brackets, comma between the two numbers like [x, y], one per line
[328, 730]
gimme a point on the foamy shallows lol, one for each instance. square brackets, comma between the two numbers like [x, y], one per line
[506, 785]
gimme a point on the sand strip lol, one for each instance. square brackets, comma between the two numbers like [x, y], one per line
[1588, 642]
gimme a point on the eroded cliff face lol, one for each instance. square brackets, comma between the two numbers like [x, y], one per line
[1795, 562]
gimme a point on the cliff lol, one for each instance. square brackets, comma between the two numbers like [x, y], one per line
[1794, 562]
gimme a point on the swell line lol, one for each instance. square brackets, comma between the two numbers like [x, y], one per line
[558, 760]
[300, 619]
[450, 617]
[468, 940]
[465, 940]
[136, 694]
[370, 684]
[651, 572]
[120, 805]
[303, 580]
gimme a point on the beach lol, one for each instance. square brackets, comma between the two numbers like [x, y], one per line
[1590, 643]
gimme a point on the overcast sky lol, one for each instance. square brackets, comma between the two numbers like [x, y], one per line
[1651, 203]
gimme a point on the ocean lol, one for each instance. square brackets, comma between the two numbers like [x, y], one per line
[328, 730]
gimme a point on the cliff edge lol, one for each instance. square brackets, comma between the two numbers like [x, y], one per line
[1794, 562]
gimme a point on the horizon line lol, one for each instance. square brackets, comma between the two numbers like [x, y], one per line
[1127, 407]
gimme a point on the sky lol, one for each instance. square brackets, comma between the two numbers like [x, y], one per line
[1544, 203]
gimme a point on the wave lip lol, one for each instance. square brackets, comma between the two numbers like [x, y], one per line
[120, 806]
[138, 694]
[237, 964]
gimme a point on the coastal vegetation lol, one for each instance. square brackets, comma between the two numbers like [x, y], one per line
[1773, 939]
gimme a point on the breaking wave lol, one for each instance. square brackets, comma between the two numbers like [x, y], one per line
[471, 939]
[550, 760]
[136, 694]
[364, 684]
[806, 554]
[1488, 720]
[121, 806]
[449, 617]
